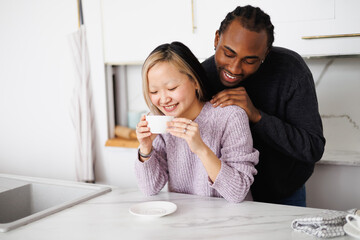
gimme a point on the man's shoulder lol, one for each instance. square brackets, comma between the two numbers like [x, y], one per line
[285, 54]
[283, 58]
[208, 63]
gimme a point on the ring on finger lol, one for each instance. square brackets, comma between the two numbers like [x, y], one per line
[185, 130]
[187, 124]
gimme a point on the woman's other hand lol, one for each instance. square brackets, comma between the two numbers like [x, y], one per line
[187, 130]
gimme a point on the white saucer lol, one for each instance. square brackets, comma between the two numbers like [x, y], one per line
[153, 209]
[351, 231]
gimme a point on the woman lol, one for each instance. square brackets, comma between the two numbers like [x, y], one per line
[207, 151]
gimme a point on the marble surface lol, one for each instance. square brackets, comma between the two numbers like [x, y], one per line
[108, 217]
[337, 87]
[339, 157]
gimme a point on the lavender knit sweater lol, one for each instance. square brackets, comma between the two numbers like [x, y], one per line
[227, 133]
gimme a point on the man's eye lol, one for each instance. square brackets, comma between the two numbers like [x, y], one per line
[229, 55]
[251, 60]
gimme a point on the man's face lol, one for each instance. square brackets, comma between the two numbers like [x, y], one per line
[239, 53]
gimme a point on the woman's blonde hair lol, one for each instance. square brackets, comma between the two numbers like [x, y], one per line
[183, 59]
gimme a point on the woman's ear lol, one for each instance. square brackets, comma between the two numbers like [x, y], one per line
[196, 85]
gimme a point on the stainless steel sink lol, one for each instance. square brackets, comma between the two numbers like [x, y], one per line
[24, 199]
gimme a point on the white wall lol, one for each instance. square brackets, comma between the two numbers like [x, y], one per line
[36, 82]
[36, 133]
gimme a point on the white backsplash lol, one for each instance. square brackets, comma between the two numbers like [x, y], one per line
[337, 85]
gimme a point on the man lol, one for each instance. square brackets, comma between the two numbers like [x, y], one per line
[276, 89]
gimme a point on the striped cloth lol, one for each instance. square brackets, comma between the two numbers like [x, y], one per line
[328, 224]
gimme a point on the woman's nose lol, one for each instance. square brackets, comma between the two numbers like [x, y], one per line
[164, 98]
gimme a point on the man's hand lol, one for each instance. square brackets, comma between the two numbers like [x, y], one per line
[239, 97]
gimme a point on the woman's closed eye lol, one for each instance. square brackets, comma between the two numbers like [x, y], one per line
[153, 92]
[172, 89]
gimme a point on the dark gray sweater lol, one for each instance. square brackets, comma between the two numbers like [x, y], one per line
[289, 135]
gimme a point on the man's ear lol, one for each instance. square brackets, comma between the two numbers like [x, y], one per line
[217, 39]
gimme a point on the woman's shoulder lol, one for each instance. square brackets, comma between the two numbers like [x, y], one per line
[224, 112]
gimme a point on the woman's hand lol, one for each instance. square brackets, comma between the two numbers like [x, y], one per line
[144, 136]
[189, 131]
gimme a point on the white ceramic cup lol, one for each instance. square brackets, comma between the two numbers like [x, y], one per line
[354, 221]
[158, 123]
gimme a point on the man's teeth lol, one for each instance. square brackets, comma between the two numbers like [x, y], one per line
[170, 107]
[229, 76]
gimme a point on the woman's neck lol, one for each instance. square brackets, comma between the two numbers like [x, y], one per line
[195, 110]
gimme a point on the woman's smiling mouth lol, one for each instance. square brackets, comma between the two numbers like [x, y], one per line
[170, 108]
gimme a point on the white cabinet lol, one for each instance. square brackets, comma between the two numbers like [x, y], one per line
[133, 28]
[334, 187]
[118, 167]
[293, 20]
[328, 19]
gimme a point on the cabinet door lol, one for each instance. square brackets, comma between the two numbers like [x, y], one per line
[330, 18]
[132, 29]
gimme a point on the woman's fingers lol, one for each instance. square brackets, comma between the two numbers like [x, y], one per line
[187, 130]
[142, 130]
[182, 125]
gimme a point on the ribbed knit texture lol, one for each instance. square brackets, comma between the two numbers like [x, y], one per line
[227, 133]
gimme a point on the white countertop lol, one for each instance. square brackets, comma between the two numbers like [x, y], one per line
[107, 217]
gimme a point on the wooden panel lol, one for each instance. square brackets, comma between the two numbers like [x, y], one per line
[122, 142]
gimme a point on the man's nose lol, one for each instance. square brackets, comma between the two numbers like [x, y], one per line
[236, 67]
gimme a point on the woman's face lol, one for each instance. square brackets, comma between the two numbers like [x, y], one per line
[239, 53]
[172, 92]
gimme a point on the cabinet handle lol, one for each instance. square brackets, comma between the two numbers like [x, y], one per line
[192, 16]
[331, 36]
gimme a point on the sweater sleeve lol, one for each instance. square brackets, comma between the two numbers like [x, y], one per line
[238, 158]
[152, 175]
